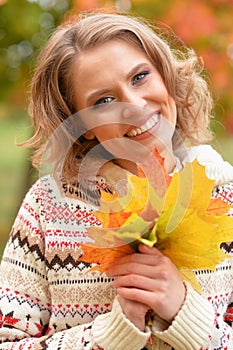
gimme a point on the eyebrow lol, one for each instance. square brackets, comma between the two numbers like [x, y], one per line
[133, 71]
[96, 94]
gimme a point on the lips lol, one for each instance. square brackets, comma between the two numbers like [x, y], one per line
[145, 127]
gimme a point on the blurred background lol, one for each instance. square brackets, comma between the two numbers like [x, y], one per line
[205, 25]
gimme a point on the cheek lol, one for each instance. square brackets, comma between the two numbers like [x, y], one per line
[104, 132]
[160, 95]
[173, 110]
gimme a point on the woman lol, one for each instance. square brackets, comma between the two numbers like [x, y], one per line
[109, 81]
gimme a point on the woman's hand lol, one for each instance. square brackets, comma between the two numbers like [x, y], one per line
[148, 281]
[134, 311]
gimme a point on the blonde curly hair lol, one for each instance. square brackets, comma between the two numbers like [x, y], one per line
[52, 94]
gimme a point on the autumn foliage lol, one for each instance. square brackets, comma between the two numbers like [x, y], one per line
[184, 223]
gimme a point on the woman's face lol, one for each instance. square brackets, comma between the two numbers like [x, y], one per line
[123, 94]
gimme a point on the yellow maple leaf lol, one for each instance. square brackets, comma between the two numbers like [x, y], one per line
[123, 225]
[142, 190]
[115, 210]
[187, 230]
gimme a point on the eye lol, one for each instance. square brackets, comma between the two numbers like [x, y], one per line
[139, 77]
[103, 101]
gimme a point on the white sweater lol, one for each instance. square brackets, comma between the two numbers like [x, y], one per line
[51, 300]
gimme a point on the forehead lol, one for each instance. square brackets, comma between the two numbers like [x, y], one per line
[110, 53]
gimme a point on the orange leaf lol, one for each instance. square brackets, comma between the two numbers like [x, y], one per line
[103, 257]
[218, 207]
[154, 170]
[112, 220]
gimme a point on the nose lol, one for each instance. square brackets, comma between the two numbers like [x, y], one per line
[134, 97]
[133, 104]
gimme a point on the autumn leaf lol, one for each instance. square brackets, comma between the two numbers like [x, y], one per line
[185, 224]
[131, 219]
[122, 229]
[218, 207]
[113, 213]
[149, 187]
[136, 230]
[103, 257]
[187, 231]
[133, 231]
[154, 170]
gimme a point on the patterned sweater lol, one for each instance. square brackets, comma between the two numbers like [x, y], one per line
[51, 299]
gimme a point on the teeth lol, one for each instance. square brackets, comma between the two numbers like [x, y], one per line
[147, 126]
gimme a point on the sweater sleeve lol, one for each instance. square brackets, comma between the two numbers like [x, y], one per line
[191, 326]
[25, 300]
[197, 326]
[116, 335]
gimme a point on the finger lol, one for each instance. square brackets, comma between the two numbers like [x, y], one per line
[146, 258]
[136, 295]
[134, 311]
[143, 264]
[151, 271]
[149, 250]
[126, 303]
[158, 302]
[136, 281]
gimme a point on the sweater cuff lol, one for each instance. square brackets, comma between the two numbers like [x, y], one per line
[191, 327]
[113, 331]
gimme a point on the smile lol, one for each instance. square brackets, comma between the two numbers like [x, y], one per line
[145, 127]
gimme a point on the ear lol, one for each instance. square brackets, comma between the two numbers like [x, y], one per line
[89, 135]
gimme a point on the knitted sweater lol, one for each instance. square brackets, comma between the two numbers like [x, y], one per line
[51, 299]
